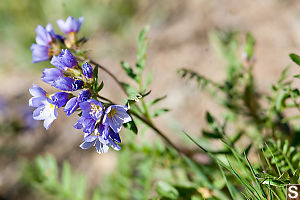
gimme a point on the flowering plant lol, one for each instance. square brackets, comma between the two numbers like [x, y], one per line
[267, 126]
[100, 120]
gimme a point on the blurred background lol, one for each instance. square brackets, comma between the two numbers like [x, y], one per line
[179, 33]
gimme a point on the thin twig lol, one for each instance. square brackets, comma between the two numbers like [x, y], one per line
[143, 119]
[110, 74]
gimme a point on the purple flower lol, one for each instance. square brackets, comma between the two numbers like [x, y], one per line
[70, 25]
[92, 111]
[73, 104]
[77, 84]
[39, 53]
[46, 108]
[63, 83]
[43, 36]
[60, 99]
[67, 84]
[87, 70]
[51, 74]
[115, 116]
[50, 30]
[64, 60]
[103, 137]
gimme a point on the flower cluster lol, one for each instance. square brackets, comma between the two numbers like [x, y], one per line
[48, 43]
[101, 122]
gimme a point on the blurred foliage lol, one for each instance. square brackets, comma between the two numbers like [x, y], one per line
[263, 118]
[43, 175]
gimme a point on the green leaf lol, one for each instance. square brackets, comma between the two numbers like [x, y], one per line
[246, 151]
[215, 135]
[131, 126]
[95, 86]
[249, 46]
[280, 101]
[143, 44]
[66, 177]
[297, 76]
[80, 188]
[295, 58]
[159, 112]
[166, 190]
[211, 121]
[129, 71]
[148, 79]
[155, 101]
[100, 87]
[132, 92]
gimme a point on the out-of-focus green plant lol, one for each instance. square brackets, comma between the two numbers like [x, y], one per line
[44, 175]
[261, 117]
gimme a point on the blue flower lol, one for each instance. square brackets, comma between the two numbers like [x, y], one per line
[51, 74]
[73, 104]
[92, 111]
[39, 53]
[115, 116]
[53, 35]
[63, 83]
[64, 60]
[70, 25]
[103, 137]
[43, 36]
[77, 84]
[46, 107]
[67, 84]
[87, 70]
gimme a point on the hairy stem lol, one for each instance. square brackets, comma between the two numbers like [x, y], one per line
[110, 74]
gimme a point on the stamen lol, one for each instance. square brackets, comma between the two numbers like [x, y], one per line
[112, 112]
[94, 109]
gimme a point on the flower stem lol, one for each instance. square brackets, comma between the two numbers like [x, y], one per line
[146, 120]
[110, 74]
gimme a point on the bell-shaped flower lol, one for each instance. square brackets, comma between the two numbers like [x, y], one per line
[70, 25]
[51, 74]
[44, 38]
[39, 53]
[73, 104]
[87, 70]
[102, 138]
[92, 111]
[67, 84]
[115, 116]
[64, 60]
[46, 107]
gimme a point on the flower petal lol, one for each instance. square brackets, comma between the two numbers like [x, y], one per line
[71, 106]
[101, 148]
[51, 74]
[39, 53]
[63, 83]
[37, 91]
[86, 145]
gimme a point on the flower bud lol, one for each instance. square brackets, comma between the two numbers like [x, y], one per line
[87, 70]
